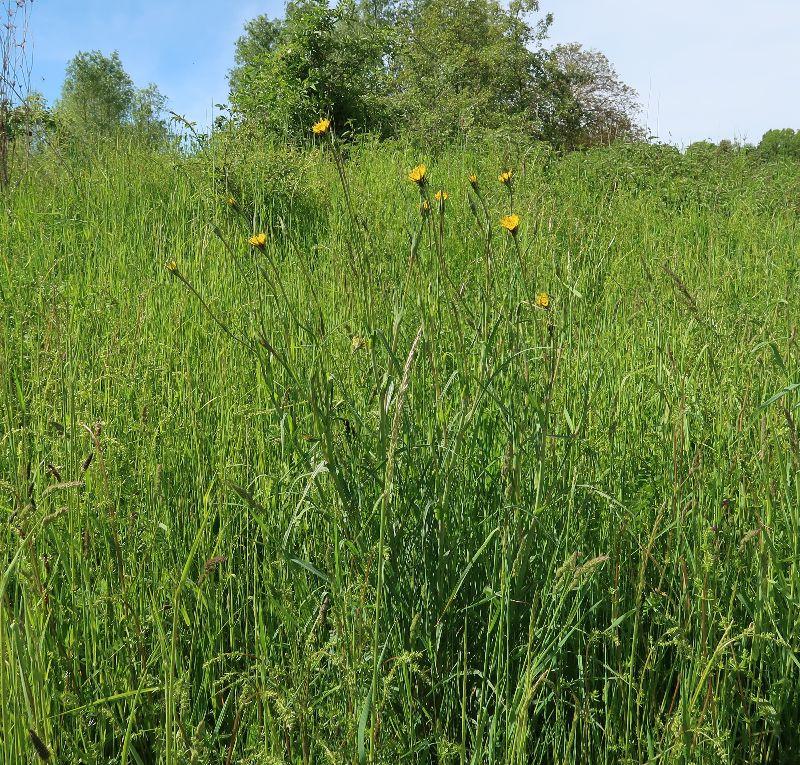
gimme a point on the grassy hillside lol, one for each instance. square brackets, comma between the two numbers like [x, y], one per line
[358, 497]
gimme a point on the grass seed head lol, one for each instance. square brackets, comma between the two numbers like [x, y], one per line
[41, 748]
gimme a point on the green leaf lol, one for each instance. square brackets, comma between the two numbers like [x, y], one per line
[779, 395]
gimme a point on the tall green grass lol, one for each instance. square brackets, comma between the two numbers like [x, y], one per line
[393, 511]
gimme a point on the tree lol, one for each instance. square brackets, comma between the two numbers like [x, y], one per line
[582, 101]
[99, 97]
[260, 38]
[701, 148]
[98, 94]
[431, 69]
[319, 60]
[146, 115]
[780, 143]
[464, 66]
[29, 122]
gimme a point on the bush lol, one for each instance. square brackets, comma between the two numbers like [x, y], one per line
[780, 143]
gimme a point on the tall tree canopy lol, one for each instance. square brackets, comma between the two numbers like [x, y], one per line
[318, 60]
[466, 65]
[97, 91]
[780, 143]
[431, 69]
[98, 96]
[583, 102]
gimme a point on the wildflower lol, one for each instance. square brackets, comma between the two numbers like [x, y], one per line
[171, 266]
[441, 196]
[543, 301]
[321, 127]
[232, 203]
[473, 181]
[419, 175]
[510, 223]
[505, 177]
[424, 208]
[259, 241]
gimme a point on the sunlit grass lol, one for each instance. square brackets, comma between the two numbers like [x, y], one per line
[388, 487]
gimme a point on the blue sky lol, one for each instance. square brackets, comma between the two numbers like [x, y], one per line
[703, 68]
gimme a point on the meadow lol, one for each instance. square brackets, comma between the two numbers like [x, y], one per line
[361, 494]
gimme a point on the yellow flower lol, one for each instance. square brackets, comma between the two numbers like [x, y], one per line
[419, 175]
[473, 181]
[510, 223]
[232, 202]
[441, 196]
[171, 266]
[543, 300]
[258, 240]
[321, 127]
[505, 177]
[424, 208]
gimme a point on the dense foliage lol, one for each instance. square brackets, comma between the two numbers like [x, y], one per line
[585, 103]
[780, 143]
[319, 60]
[431, 71]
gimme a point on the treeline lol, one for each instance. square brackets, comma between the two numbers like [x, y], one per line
[98, 99]
[431, 70]
[427, 71]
